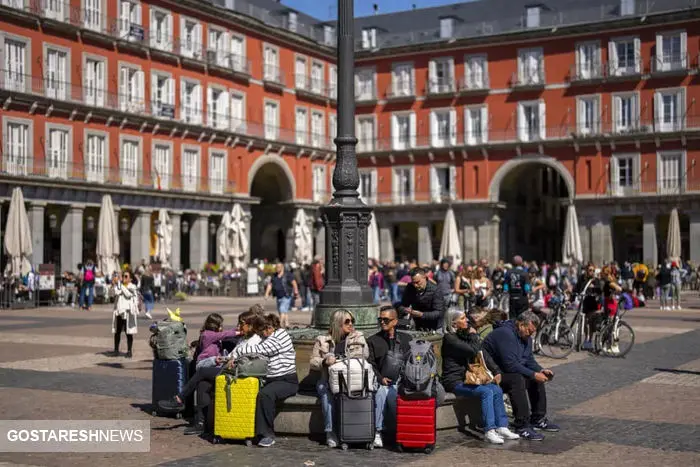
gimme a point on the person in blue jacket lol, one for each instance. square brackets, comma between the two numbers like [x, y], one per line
[523, 379]
[517, 284]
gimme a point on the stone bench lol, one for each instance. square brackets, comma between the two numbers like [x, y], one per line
[301, 415]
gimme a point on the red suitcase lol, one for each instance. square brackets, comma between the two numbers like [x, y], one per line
[415, 424]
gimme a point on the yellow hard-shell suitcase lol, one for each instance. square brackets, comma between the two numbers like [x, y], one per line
[234, 407]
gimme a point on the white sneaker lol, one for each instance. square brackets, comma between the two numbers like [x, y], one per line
[505, 433]
[493, 437]
[378, 443]
[148, 315]
[331, 439]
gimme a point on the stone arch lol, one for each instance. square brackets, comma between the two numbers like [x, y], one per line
[508, 167]
[281, 165]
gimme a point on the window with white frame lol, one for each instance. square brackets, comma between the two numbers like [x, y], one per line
[476, 124]
[403, 131]
[588, 115]
[476, 72]
[271, 70]
[671, 51]
[328, 35]
[95, 84]
[191, 102]
[238, 114]
[441, 72]
[15, 74]
[319, 183]
[300, 78]
[402, 79]
[218, 47]
[364, 84]
[671, 176]
[54, 9]
[531, 66]
[162, 165]
[129, 157]
[317, 80]
[365, 133]
[161, 33]
[532, 17]
[624, 174]
[403, 185]
[318, 135]
[190, 169]
[368, 185]
[238, 55]
[369, 38]
[625, 56]
[218, 101]
[57, 71]
[446, 28]
[531, 121]
[131, 89]
[627, 7]
[162, 95]
[332, 82]
[292, 21]
[92, 18]
[443, 127]
[190, 38]
[443, 184]
[302, 126]
[217, 172]
[669, 109]
[588, 63]
[17, 137]
[130, 26]
[95, 157]
[332, 130]
[625, 112]
[272, 118]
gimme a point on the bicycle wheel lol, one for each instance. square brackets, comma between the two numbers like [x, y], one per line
[621, 339]
[579, 332]
[556, 341]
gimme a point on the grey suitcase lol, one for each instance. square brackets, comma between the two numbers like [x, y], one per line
[354, 415]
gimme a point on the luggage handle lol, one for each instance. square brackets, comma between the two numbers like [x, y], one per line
[365, 380]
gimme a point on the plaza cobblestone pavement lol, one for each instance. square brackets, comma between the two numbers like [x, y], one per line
[640, 410]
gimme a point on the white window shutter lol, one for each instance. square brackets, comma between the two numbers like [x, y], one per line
[453, 127]
[614, 175]
[169, 31]
[183, 100]
[225, 101]
[453, 182]
[522, 124]
[434, 185]
[123, 87]
[210, 107]
[637, 55]
[412, 129]
[154, 93]
[684, 49]
[373, 182]
[152, 23]
[395, 132]
[395, 186]
[432, 76]
[612, 59]
[171, 91]
[140, 89]
[659, 57]
[617, 113]
[139, 17]
[658, 110]
[412, 182]
[484, 124]
[543, 121]
[451, 74]
[433, 129]
[197, 103]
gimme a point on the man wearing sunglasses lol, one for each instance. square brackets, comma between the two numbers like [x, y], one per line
[387, 350]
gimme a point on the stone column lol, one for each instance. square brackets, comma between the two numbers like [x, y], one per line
[72, 239]
[386, 243]
[176, 221]
[585, 233]
[601, 241]
[425, 245]
[649, 244]
[199, 242]
[140, 238]
[36, 223]
[470, 241]
[320, 241]
[694, 234]
[489, 245]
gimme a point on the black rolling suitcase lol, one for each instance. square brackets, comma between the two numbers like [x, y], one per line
[354, 415]
[169, 377]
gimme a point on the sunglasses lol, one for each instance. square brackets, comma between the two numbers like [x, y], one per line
[349, 322]
[385, 320]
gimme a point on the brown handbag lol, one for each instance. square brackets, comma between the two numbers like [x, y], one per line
[478, 373]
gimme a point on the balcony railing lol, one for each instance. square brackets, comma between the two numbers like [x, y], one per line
[472, 85]
[309, 85]
[111, 176]
[529, 77]
[399, 198]
[668, 186]
[584, 72]
[400, 91]
[625, 69]
[439, 87]
[273, 75]
[366, 94]
[669, 64]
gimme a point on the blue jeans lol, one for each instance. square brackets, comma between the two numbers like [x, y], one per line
[306, 299]
[394, 292]
[385, 395]
[87, 294]
[148, 301]
[326, 398]
[315, 299]
[284, 304]
[493, 412]
[377, 293]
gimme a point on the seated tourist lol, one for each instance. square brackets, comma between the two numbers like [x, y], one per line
[342, 341]
[522, 378]
[387, 351]
[460, 346]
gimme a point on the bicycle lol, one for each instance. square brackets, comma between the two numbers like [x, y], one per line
[578, 324]
[555, 334]
[611, 339]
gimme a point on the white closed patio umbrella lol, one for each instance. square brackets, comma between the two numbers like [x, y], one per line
[450, 247]
[303, 247]
[373, 239]
[223, 240]
[107, 250]
[673, 237]
[571, 251]
[164, 243]
[18, 235]
[239, 239]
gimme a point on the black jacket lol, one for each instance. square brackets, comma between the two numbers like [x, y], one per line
[458, 351]
[429, 302]
[379, 348]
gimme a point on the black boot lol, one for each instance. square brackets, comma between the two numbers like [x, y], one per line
[171, 405]
[197, 427]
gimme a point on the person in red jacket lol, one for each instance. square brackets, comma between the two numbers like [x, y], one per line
[317, 281]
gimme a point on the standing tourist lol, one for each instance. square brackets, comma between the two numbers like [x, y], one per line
[125, 312]
[284, 288]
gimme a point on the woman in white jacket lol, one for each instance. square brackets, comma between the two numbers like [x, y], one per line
[125, 311]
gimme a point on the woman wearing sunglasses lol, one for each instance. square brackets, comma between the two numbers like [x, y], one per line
[342, 341]
[125, 311]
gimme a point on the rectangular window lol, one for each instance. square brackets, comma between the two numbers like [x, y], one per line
[319, 183]
[368, 186]
[238, 118]
[476, 72]
[317, 81]
[333, 82]
[402, 79]
[300, 73]
[670, 109]
[238, 55]
[93, 14]
[369, 38]
[365, 134]
[446, 28]
[588, 115]
[271, 64]
[161, 30]
[364, 84]
[271, 120]
[17, 137]
[190, 169]
[95, 85]
[57, 153]
[292, 21]
[624, 174]
[217, 173]
[441, 75]
[162, 166]
[190, 38]
[670, 172]
[302, 126]
[129, 162]
[218, 47]
[130, 26]
[162, 96]
[627, 7]
[317, 130]
[442, 183]
[532, 17]
[54, 9]
[332, 130]
[15, 54]
[588, 60]
[218, 108]
[671, 51]
[530, 67]
[191, 102]
[56, 74]
[131, 89]
[625, 113]
[443, 128]
[476, 124]
[328, 35]
[625, 56]
[95, 158]
[403, 185]
[531, 121]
